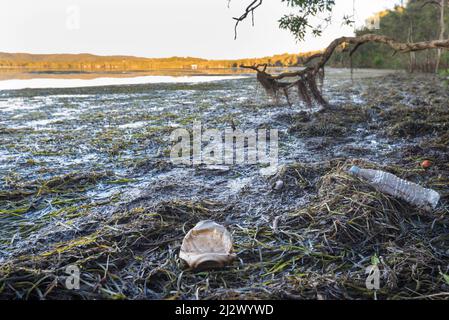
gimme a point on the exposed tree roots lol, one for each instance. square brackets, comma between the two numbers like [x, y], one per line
[307, 85]
[306, 80]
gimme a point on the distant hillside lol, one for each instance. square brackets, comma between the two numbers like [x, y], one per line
[89, 62]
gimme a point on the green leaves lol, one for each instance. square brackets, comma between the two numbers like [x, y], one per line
[298, 24]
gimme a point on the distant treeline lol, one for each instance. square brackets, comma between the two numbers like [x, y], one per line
[413, 23]
[88, 62]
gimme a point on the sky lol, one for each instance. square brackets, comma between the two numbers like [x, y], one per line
[162, 28]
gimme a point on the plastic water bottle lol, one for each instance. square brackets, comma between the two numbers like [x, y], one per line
[388, 183]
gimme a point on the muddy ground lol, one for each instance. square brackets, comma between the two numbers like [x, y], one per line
[87, 181]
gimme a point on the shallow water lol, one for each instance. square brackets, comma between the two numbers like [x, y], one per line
[104, 81]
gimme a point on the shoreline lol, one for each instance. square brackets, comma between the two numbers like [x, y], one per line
[91, 184]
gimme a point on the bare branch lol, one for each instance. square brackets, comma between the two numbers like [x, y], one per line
[434, 2]
[256, 67]
[306, 78]
[307, 60]
[250, 9]
[397, 46]
[357, 42]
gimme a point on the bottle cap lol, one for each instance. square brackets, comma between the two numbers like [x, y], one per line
[354, 170]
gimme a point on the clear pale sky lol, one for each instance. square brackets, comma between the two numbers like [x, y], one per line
[160, 28]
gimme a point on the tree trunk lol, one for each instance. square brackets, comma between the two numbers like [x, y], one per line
[442, 31]
[412, 54]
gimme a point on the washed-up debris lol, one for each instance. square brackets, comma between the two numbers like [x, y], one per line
[276, 224]
[426, 164]
[279, 185]
[388, 183]
[217, 168]
[269, 171]
[330, 224]
[207, 246]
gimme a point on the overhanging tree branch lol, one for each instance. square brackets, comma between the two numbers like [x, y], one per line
[306, 79]
[297, 23]
[249, 10]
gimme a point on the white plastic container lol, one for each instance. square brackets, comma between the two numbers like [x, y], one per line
[207, 246]
[388, 183]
